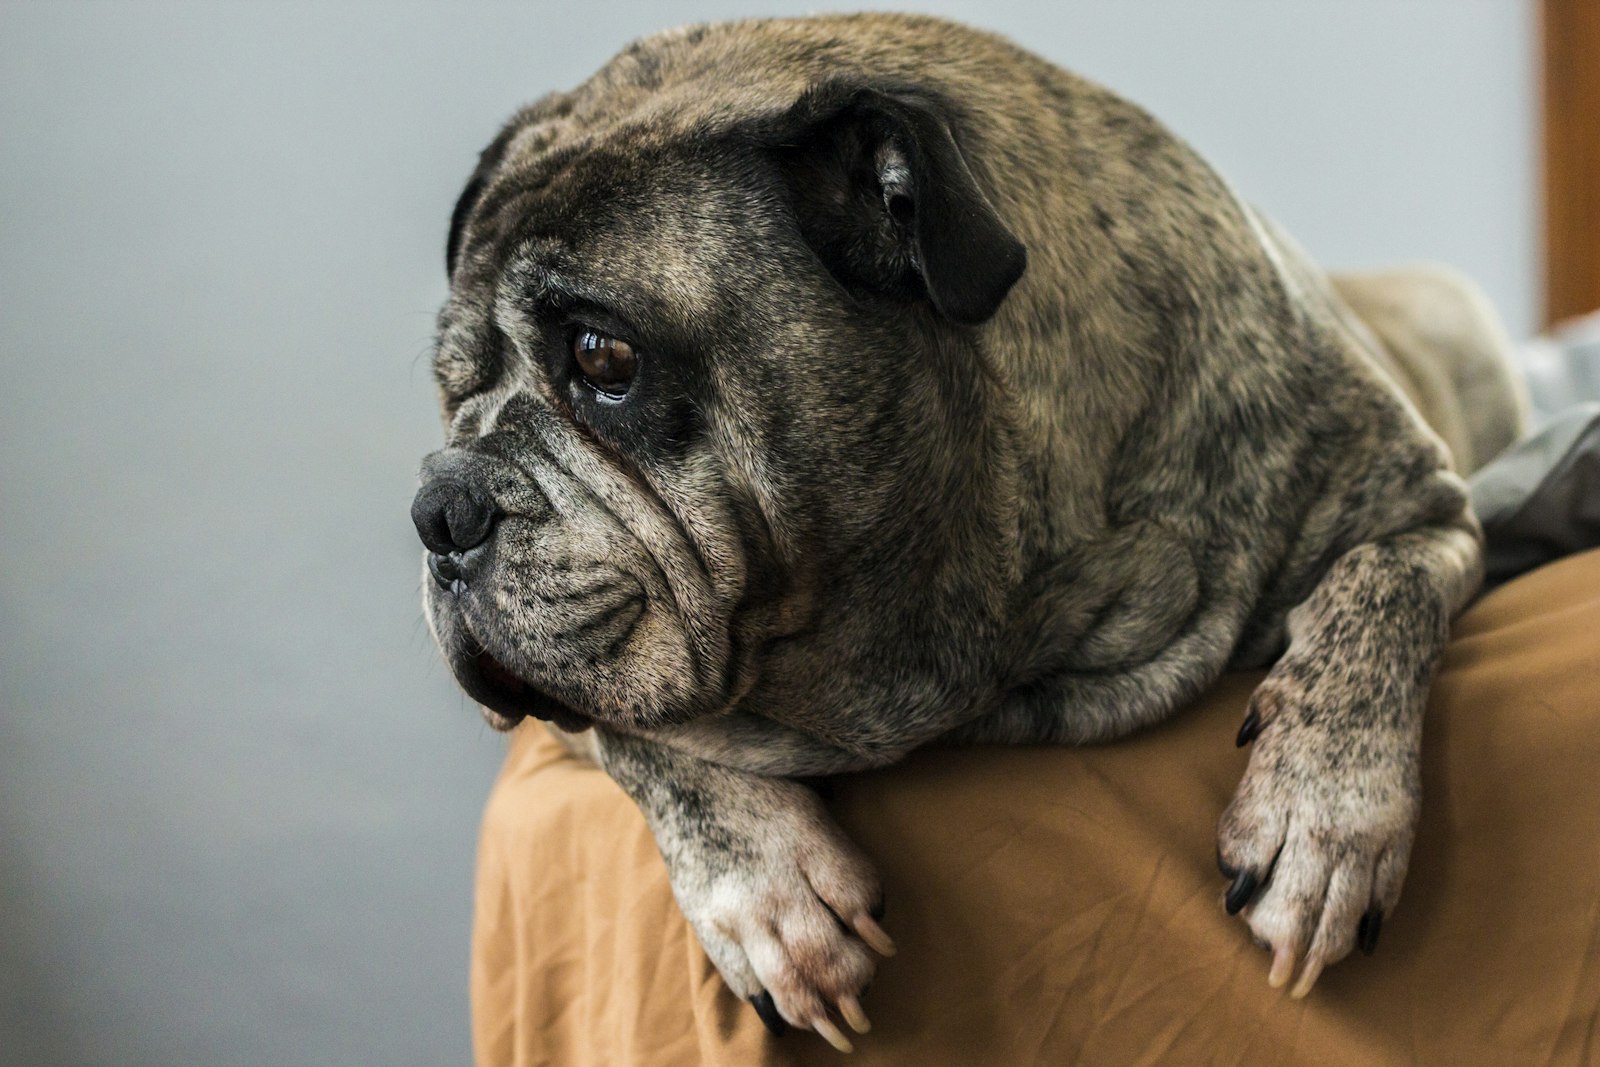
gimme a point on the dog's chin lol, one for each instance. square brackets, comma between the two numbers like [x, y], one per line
[507, 699]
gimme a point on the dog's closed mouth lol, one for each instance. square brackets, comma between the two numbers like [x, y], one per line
[512, 699]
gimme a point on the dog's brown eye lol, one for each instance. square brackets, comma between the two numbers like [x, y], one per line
[607, 363]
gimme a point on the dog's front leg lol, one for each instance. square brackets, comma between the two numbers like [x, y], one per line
[1318, 835]
[781, 901]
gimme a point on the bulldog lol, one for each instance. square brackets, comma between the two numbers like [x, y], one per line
[819, 389]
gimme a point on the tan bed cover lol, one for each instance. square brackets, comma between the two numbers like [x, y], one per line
[1059, 906]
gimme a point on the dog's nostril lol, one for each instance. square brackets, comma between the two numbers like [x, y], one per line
[450, 517]
[446, 569]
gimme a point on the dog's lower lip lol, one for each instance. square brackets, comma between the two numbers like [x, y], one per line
[496, 673]
[519, 699]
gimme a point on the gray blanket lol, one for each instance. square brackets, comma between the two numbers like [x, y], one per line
[1540, 499]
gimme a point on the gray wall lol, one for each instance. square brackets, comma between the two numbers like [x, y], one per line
[238, 796]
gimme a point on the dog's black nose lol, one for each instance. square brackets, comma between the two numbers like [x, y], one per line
[451, 518]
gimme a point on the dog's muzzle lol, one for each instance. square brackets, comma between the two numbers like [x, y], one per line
[455, 518]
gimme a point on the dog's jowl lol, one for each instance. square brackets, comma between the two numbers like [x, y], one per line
[818, 389]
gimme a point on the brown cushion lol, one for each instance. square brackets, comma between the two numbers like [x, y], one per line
[1058, 905]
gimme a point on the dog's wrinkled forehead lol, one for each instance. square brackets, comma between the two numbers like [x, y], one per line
[621, 220]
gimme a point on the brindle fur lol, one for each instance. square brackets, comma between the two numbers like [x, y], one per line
[864, 498]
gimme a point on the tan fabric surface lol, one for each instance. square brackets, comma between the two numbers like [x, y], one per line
[1062, 905]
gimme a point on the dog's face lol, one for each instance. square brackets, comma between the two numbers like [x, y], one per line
[689, 377]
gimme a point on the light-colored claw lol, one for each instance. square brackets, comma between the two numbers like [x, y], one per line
[868, 930]
[1308, 978]
[832, 1034]
[1282, 967]
[850, 1008]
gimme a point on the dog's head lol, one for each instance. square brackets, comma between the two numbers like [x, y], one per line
[714, 400]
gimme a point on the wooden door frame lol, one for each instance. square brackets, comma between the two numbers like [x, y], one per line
[1569, 32]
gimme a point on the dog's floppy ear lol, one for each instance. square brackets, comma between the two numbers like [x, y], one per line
[885, 197]
[458, 219]
[488, 160]
[548, 107]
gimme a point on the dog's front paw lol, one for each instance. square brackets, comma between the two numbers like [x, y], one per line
[788, 913]
[1318, 835]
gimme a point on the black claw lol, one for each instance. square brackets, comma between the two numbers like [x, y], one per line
[1367, 932]
[877, 910]
[1239, 893]
[1249, 730]
[768, 1011]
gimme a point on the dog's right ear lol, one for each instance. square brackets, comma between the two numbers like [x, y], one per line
[458, 218]
[885, 197]
[488, 160]
[549, 106]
